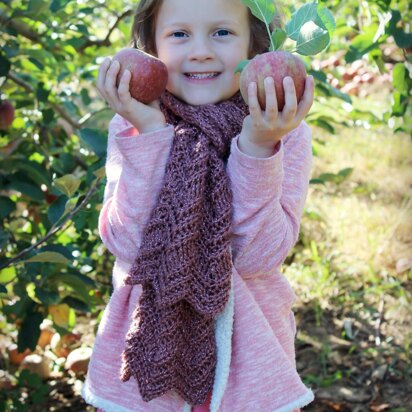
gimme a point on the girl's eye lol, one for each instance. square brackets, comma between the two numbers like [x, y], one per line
[223, 32]
[178, 34]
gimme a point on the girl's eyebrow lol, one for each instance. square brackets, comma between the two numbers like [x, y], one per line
[187, 23]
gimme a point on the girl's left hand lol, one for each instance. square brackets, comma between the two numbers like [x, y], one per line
[262, 130]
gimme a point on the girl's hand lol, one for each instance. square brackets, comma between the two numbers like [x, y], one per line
[145, 118]
[262, 130]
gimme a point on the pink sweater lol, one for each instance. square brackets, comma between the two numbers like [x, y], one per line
[255, 333]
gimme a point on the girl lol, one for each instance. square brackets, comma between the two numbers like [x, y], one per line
[202, 205]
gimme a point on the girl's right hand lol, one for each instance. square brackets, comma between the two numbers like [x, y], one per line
[144, 117]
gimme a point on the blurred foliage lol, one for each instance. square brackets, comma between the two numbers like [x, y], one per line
[52, 263]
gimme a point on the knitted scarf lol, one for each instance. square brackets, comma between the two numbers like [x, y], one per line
[184, 263]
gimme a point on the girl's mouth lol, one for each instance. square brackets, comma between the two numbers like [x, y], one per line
[202, 76]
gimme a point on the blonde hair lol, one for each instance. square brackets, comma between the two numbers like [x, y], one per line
[143, 31]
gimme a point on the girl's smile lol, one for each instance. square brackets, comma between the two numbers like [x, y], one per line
[201, 42]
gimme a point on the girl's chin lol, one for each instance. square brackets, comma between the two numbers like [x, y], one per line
[203, 97]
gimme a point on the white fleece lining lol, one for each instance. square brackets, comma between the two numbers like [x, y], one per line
[223, 336]
[100, 403]
[298, 403]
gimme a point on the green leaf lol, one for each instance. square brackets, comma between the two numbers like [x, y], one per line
[42, 93]
[47, 297]
[27, 189]
[29, 380]
[311, 26]
[59, 249]
[325, 19]
[6, 206]
[76, 304]
[79, 283]
[306, 13]
[324, 124]
[4, 65]
[67, 184]
[57, 209]
[34, 171]
[399, 104]
[7, 275]
[58, 5]
[362, 44]
[100, 172]
[36, 63]
[345, 173]
[312, 39]
[96, 139]
[85, 97]
[49, 257]
[37, 7]
[264, 10]
[241, 66]
[336, 178]
[279, 37]
[30, 331]
[401, 81]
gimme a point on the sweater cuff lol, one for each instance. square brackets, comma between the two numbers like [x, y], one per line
[135, 147]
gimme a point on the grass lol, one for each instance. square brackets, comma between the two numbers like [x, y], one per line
[351, 271]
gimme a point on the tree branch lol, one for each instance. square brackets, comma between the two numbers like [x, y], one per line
[55, 106]
[106, 41]
[22, 28]
[64, 224]
[26, 31]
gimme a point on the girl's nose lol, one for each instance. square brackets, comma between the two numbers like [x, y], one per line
[200, 50]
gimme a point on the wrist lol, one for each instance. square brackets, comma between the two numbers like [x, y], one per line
[148, 124]
[253, 149]
[151, 127]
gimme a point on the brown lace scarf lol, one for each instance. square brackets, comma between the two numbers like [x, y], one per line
[184, 263]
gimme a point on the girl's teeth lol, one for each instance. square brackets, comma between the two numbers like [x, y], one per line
[202, 75]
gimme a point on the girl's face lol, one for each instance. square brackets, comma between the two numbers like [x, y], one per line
[201, 42]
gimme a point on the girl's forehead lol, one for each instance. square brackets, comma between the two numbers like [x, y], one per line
[193, 11]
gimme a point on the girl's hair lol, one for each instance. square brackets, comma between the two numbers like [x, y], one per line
[143, 31]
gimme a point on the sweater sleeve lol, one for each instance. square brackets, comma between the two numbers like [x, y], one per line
[268, 200]
[135, 169]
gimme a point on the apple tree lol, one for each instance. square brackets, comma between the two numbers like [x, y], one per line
[52, 153]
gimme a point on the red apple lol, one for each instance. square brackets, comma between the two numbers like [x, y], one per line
[149, 74]
[6, 114]
[278, 65]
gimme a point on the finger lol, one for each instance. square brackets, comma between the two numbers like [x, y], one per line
[110, 81]
[271, 111]
[289, 110]
[307, 99]
[254, 106]
[123, 89]
[101, 77]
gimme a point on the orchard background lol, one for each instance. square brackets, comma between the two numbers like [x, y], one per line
[351, 268]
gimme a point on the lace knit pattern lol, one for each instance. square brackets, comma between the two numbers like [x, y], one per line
[184, 263]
